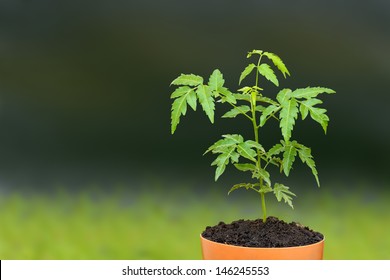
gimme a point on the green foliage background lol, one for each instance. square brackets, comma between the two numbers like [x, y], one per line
[166, 225]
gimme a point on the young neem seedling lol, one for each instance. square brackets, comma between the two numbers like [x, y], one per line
[251, 103]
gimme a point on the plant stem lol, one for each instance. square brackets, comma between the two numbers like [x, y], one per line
[256, 132]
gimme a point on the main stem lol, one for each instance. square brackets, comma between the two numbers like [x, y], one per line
[256, 132]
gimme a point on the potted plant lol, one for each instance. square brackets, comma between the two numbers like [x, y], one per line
[269, 237]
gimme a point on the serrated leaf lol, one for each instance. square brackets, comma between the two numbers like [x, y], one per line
[235, 137]
[216, 80]
[306, 157]
[191, 99]
[310, 92]
[259, 52]
[246, 72]
[223, 159]
[188, 80]
[275, 150]
[221, 145]
[242, 185]
[179, 107]
[236, 111]
[254, 144]
[245, 150]
[317, 114]
[283, 95]
[304, 109]
[266, 71]
[262, 173]
[227, 96]
[180, 91]
[266, 100]
[282, 192]
[288, 158]
[288, 115]
[245, 166]
[206, 100]
[277, 61]
[269, 111]
[259, 108]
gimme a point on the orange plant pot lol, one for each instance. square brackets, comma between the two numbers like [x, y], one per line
[217, 251]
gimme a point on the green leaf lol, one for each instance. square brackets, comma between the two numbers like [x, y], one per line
[259, 108]
[245, 150]
[216, 80]
[269, 111]
[221, 145]
[266, 100]
[275, 150]
[187, 80]
[223, 159]
[266, 71]
[288, 114]
[236, 111]
[317, 114]
[288, 157]
[245, 166]
[306, 157]
[206, 100]
[278, 63]
[227, 96]
[191, 99]
[235, 137]
[254, 144]
[178, 107]
[304, 106]
[282, 192]
[246, 72]
[283, 95]
[243, 185]
[259, 52]
[310, 92]
[262, 173]
[180, 91]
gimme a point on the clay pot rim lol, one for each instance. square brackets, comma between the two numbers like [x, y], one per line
[263, 248]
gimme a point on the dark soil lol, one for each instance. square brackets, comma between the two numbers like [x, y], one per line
[273, 233]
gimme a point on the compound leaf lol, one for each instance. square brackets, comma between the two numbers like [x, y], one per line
[282, 192]
[188, 80]
[266, 71]
[206, 100]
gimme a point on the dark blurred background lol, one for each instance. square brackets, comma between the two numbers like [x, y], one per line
[84, 85]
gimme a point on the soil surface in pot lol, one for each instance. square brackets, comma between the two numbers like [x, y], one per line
[255, 233]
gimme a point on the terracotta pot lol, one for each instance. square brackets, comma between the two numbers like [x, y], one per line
[217, 251]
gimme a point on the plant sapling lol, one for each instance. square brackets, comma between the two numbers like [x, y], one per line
[249, 155]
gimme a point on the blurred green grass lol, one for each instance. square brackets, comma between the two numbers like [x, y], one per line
[120, 224]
